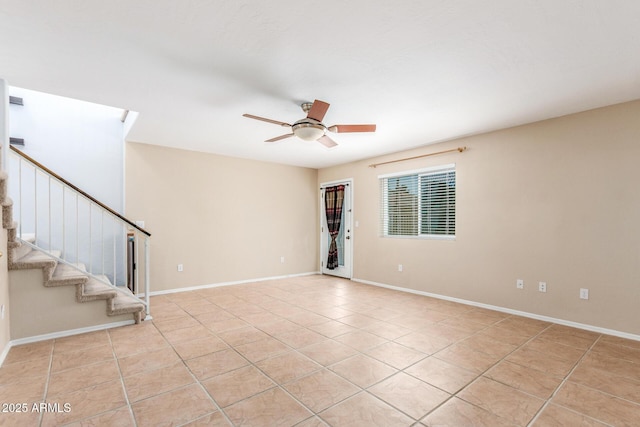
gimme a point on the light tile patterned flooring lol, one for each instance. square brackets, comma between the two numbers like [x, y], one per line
[313, 350]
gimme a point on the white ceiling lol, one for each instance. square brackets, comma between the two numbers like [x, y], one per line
[423, 70]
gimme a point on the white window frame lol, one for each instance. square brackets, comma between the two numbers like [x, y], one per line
[384, 214]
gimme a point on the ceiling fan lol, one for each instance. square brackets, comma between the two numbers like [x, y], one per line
[311, 127]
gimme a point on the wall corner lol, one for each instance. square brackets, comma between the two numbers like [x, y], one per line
[5, 335]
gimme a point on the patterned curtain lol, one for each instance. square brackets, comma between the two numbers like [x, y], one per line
[333, 198]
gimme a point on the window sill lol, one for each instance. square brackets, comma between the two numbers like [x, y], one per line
[427, 237]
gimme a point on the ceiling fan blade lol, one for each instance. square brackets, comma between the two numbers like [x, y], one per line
[352, 128]
[278, 138]
[275, 122]
[327, 142]
[318, 110]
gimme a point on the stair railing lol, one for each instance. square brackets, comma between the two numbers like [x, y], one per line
[58, 217]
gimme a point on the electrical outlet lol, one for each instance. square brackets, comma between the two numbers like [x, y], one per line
[520, 284]
[399, 267]
[180, 267]
[282, 259]
[542, 286]
[584, 293]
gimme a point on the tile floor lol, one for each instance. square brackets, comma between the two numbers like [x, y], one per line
[317, 350]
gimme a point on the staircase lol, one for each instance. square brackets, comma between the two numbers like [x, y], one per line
[23, 256]
[27, 252]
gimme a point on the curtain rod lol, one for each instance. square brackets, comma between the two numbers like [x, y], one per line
[459, 149]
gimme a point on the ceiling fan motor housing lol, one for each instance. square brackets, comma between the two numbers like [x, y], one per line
[306, 106]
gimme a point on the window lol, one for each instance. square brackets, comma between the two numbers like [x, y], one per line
[419, 203]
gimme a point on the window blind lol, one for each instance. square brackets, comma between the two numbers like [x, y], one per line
[419, 204]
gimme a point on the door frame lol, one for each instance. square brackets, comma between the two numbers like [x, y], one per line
[348, 223]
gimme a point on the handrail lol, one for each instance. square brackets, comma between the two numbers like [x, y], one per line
[83, 193]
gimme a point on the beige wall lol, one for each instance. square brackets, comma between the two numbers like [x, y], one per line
[4, 273]
[225, 219]
[555, 201]
[4, 292]
[39, 310]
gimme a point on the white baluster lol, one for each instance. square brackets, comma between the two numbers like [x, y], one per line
[49, 210]
[64, 220]
[147, 256]
[20, 192]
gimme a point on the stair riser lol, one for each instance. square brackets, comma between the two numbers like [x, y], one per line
[66, 282]
[7, 213]
[82, 297]
[12, 232]
[3, 185]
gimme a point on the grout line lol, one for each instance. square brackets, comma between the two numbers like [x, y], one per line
[195, 378]
[72, 391]
[276, 383]
[375, 301]
[480, 375]
[292, 349]
[461, 341]
[122, 383]
[364, 355]
[46, 385]
[313, 372]
[281, 385]
[358, 353]
[562, 383]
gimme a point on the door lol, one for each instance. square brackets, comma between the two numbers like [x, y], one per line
[336, 238]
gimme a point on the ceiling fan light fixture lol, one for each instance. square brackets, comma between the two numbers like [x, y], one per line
[309, 131]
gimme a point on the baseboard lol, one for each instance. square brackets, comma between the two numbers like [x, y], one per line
[67, 333]
[5, 352]
[507, 310]
[237, 282]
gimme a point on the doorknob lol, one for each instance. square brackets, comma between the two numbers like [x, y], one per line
[348, 237]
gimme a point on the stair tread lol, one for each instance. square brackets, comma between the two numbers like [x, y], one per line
[39, 256]
[123, 301]
[28, 237]
[64, 271]
[19, 248]
[96, 287]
